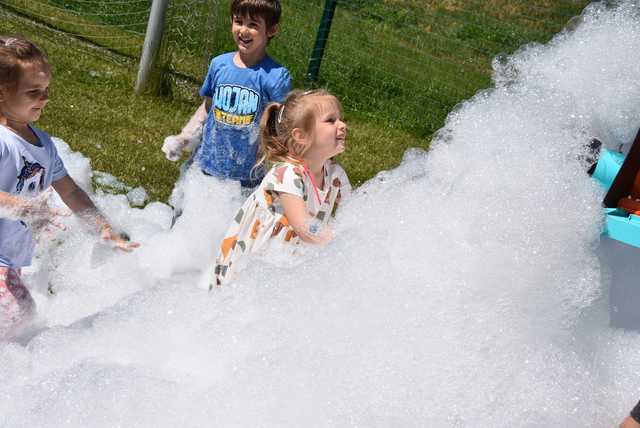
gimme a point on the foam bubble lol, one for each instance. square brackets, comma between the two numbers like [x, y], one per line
[463, 287]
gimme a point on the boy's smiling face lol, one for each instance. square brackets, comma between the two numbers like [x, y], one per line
[250, 34]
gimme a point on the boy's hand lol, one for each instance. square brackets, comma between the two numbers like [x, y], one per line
[190, 136]
[173, 147]
[120, 240]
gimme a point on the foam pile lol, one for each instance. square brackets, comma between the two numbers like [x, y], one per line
[463, 288]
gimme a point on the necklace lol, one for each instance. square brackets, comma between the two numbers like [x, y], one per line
[310, 174]
[313, 182]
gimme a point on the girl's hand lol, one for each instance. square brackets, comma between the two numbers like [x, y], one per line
[309, 229]
[37, 212]
[315, 232]
[119, 240]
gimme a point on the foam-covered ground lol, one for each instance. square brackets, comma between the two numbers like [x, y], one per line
[463, 288]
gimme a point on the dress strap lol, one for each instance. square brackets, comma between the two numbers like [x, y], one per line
[313, 182]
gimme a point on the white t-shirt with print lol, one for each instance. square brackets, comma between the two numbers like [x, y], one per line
[26, 170]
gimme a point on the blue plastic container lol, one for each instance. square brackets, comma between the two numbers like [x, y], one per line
[609, 165]
[619, 224]
[619, 250]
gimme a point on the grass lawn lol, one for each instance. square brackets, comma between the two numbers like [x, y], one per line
[398, 66]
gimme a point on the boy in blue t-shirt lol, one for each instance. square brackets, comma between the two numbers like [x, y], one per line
[236, 90]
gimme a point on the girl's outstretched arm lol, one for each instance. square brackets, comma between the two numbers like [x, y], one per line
[78, 201]
[302, 223]
[35, 211]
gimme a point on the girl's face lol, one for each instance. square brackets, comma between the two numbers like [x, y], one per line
[25, 102]
[330, 132]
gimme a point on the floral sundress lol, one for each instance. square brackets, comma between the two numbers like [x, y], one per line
[261, 222]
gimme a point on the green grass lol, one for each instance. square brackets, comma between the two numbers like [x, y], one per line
[398, 66]
[92, 108]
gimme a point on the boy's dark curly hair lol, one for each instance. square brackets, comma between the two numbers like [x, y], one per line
[269, 10]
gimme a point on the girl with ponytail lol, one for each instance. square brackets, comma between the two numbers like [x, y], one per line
[303, 187]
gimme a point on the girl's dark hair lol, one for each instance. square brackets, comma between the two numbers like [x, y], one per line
[299, 110]
[16, 53]
[269, 10]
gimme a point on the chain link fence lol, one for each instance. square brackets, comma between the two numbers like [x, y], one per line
[398, 66]
[118, 28]
[407, 62]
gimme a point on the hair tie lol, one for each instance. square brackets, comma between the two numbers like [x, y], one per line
[10, 41]
[280, 112]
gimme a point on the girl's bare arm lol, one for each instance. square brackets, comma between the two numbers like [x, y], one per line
[80, 203]
[296, 212]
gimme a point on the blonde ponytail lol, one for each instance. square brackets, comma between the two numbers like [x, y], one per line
[271, 146]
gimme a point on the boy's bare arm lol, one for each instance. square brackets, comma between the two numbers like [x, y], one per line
[190, 136]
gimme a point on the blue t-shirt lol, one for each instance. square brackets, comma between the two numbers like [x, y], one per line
[231, 133]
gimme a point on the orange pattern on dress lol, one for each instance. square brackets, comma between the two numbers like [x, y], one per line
[290, 235]
[255, 229]
[268, 199]
[280, 224]
[228, 244]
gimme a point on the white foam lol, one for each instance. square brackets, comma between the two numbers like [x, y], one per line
[463, 288]
[137, 196]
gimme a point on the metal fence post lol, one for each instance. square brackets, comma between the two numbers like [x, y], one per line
[321, 41]
[152, 40]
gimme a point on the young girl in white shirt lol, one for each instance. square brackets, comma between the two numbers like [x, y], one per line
[29, 165]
